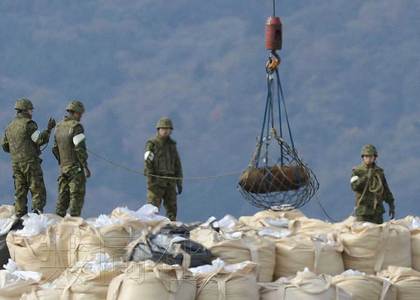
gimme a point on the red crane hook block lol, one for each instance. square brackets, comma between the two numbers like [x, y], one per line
[273, 34]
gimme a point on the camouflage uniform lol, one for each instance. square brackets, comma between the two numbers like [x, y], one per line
[162, 159]
[71, 153]
[371, 188]
[23, 141]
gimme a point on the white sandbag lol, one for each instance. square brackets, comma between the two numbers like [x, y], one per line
[413, 224]
[321, 255]
[235, 247]
[86, 239]
[274, 233]
[305, 286]
[406, 280]
[268, 218]
[415, 248]
[7, 218]
[15, 282]
[364, 287]
[345, 224]
[44, 292]
[6, 225]
[7, 211]
[34, 224]
[370, 247]
[309, 227]
[147, 214]
[84, 281]
[151, 281]
[227, 282]
[298, 225]
[115, 234]
[227, 223]
[45, 252]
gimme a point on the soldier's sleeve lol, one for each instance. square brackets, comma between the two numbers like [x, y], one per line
[388, 196]
[56, 151]
[178, 167]
[79, 141]
[149, 157]
[5, 144]
[38, 137]
[358, 180]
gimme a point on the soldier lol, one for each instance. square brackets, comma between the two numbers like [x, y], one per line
[23, 141]
[71, 153]
[162, 159]
[369, 183]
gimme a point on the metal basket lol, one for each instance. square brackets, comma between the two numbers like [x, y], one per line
[276, 176]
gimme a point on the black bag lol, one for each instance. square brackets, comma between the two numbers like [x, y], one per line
[4, 251]
[171, 249]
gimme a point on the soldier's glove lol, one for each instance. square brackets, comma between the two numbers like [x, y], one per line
[51, 124]
[87, 172]
[392, 213]
[179, 187]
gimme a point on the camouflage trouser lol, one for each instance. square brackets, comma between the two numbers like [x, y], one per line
[28, 177]
[163, 190]
[71, 193]
[378, 219]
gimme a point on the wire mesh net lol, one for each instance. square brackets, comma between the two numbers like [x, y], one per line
[276, 177]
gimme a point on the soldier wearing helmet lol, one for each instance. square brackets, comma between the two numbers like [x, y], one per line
[371, 188]
[71, 153]
[23, 141]
[163, 169]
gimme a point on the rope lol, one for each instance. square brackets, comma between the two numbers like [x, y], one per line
[269, 120]
[257, 156]
[324, 211]
[128, 169]
[274, 8]
[374, 185]
[280, 87]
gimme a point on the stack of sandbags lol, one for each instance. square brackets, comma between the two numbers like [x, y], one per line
[84, 281]
[320, 254]
[7, 220]
[151, 281]
[236, 247]
[406, 280]
[220, 281]
[413, 224]
[15, 282]
[304, 286]
[266, 218]
[365, 287]
[38, 246]
[371, 248]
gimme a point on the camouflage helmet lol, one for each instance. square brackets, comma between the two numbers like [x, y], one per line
[164, 123]
[369, 150]
[76, 106]
[24, 104]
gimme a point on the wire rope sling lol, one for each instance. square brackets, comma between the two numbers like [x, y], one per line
[276, 177]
